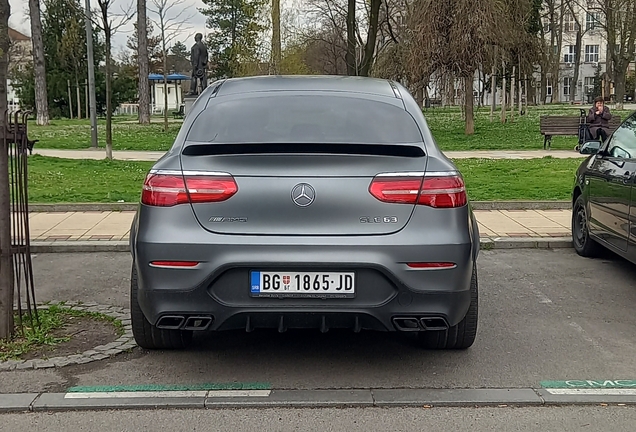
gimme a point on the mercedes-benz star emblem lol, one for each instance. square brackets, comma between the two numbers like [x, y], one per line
[303, 195]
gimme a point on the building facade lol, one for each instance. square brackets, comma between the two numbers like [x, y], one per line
[20, 56]
[592, 54]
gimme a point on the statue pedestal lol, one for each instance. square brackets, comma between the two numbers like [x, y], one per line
[188, 100]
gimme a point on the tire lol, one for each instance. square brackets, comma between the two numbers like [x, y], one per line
[583, 244]
[460, 336]
[147, 335]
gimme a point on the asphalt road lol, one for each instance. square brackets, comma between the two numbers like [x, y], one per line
[561, 419]
[544, 315]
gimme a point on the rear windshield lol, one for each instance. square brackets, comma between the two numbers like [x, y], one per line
[304, 119]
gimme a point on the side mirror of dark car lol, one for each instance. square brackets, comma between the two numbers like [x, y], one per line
[590, 147]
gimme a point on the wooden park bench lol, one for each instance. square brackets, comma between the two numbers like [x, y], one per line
[180, 113]
[568, 126]
[432, 103]
[16, 134]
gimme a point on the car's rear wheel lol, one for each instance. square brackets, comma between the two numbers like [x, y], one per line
[583, 244]
[147, 335]
[460, 336]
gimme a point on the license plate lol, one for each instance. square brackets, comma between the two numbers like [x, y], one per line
[302, 284]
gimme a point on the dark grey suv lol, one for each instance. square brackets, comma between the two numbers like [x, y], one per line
[304, 202]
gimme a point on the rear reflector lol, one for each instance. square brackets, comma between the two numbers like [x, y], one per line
[170, 189]
[176, 264]
[431, 265]
[439, 191]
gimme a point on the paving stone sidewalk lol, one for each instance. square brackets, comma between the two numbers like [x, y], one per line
[115, 226]
[153, 155]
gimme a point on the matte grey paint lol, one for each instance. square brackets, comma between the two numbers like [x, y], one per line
[326, 235]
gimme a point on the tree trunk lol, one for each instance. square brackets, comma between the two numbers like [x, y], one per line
[619, 84]
[493, 92]
[70, 99]
[41, 97]
[143, 63]
[513, 93]
[469, 105]
[6, 265]
[276, 45]
[525, 89]
[165, 84]
[503, 92]
[79, 97]
[109, 108]
[87, 109]
[577, 65]
[233, 69]
[520, 93]
[369, 49]
[351, 38]
[450, 89]
[419, 94]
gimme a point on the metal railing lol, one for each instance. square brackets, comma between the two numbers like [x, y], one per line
[20, 290]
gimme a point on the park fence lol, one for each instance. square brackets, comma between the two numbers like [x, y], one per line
[16, 283]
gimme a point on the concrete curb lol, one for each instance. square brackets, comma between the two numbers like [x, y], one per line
[82, 207]
[123, 246]
[428, 398]
[477, 205]
[101, 352]
[521, 205]
[79, 246]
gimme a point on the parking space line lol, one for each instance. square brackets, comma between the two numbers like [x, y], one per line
[169, 394]
[593, 391]
[594, 343]
[542, 297]
[239, 393]
[135, 395]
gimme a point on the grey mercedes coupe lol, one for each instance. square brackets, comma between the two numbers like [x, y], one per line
[305, 202]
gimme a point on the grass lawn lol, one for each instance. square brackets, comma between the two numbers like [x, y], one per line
[446, 124]
[52, 321]
[55, 180]
[523, 133]
[513, 180]
[127, 134]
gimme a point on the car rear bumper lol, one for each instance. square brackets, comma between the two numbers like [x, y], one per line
[219, 286]
[448, 308]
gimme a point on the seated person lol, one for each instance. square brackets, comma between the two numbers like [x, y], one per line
[598, 120]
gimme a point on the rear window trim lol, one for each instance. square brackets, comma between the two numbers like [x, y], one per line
[408, 150]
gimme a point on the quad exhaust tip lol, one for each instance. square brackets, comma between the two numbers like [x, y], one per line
[178, 322]
[407, 324]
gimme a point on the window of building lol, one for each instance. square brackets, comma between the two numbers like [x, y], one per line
[592, 20]
[591, 53]
[589, 85]
[567, 85]
[569, 25]
[568, 57]
[546, 26]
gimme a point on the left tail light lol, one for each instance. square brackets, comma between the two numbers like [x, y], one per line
[167, 189]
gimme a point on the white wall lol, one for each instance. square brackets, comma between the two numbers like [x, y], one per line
[12, 98]
[175, 96]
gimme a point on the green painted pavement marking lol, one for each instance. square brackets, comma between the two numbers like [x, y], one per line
[589, 384]
[170, 387]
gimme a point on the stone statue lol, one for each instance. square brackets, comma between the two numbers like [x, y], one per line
[199, 60]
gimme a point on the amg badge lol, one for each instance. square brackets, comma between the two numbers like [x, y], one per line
[227, 219]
